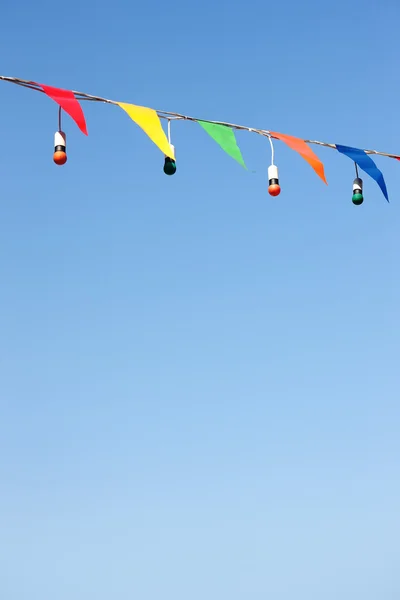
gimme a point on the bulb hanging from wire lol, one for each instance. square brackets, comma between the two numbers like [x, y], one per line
[60, 147]
[274, 189]
[170, 163]
[358, 197]
[60, 144]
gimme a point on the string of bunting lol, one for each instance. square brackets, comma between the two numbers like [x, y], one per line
[149, 120]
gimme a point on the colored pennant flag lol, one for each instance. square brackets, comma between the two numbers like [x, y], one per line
[225, 137]
[365, 163]
[149, 121]
[68, 102]
[300, 146]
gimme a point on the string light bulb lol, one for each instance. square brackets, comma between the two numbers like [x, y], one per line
[60, 148]
[170, 164]
[358, 197]
[60, 144]
[274, 189]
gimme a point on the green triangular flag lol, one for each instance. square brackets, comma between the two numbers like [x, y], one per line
[225, 137]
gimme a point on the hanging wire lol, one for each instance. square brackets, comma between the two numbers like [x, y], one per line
[272, 150]
[169, 131]
[59, 119]
[355, 164]
[179, 117]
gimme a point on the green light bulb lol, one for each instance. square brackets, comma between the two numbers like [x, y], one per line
[169, 166]
[357, 199]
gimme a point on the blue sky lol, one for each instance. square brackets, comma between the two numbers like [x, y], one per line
[199, 383]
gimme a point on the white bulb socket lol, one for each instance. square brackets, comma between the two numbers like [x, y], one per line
[357, 185]
[60, 139]
[273, 172]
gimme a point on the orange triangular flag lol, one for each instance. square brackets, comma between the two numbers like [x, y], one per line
[300, 146]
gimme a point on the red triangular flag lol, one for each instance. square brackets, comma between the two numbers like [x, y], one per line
[69, 103]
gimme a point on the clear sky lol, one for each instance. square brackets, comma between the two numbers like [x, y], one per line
[199, 383]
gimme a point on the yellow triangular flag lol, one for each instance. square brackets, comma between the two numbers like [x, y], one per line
[149, 121]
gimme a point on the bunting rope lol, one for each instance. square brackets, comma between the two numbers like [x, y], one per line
[222, 132]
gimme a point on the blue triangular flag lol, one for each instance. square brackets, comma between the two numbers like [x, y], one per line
[365, 163]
